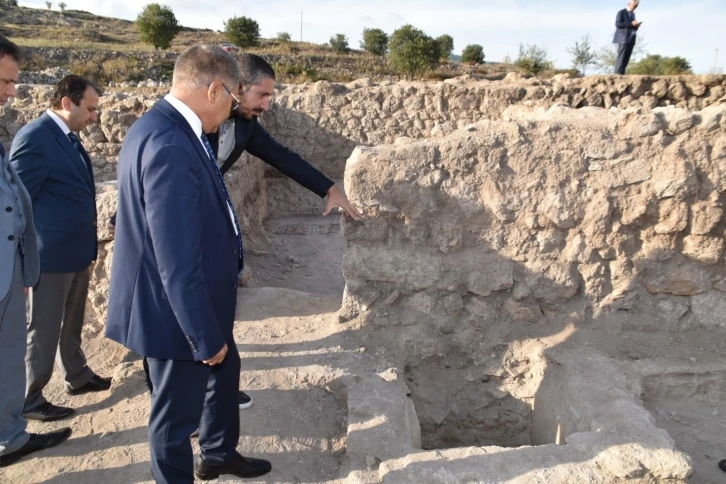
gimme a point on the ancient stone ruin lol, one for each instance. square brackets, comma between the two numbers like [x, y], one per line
[536, 294]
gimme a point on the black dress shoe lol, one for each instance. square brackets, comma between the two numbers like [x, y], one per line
[722, 465]
[95, 384]
[239, 467]
[35, 443]
[47, 412]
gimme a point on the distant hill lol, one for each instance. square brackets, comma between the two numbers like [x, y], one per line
[109, 49]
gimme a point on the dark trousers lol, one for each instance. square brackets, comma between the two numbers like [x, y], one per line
[56, 310]
[187, 394]
[624, 53]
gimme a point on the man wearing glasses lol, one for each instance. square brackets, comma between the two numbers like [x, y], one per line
[242, 132]
[176, 260]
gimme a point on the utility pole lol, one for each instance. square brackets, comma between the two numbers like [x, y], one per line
[715, 62]
[301, 26]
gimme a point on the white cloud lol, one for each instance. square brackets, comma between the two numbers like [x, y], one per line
[689, 29]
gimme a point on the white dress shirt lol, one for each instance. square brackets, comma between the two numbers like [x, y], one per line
[196, 124]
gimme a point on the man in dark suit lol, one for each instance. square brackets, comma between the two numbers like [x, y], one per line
[625, 35]
[57, 172]
[242, 132]
[176, 261]
[19, 268]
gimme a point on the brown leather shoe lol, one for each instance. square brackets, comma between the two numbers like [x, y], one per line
[95, 384]
[35, 443]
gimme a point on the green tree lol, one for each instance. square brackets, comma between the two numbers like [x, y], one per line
[532, 59]
[283, 37]
[62, 6]
[48, 4]
[446, 45]
[242, 31]
[339, 43]
[412, 51]
[374, 41]
[656, 65]
[674, 66]
[473, 54]
[583, 55]
[157, 25]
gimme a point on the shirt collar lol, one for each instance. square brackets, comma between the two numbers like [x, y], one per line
[61, 124]
[194, 122]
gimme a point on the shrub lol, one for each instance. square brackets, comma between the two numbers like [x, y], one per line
[289, 73]
[157, 26]
[412, 51]
[242, 31]
[374, 41]
[583, 56]
[283, 37]
[473, 54]
[656, 65]
[532, 59]
[445, 44]
[339, 43]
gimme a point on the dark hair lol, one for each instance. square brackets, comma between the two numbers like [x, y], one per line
[254, 68]
[8, 48]
[74, 87]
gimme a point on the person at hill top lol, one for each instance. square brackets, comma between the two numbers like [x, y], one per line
[625, 35]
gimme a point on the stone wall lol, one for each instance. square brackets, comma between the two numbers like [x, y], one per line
[325, 121]
[538, 226]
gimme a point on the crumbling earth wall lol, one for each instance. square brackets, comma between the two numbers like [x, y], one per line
[530, 230]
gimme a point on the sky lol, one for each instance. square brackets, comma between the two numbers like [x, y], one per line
[693, 29]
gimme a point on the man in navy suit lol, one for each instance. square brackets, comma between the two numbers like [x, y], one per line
[242, 132]
[57, 171]
[625, 34]
[175, 266]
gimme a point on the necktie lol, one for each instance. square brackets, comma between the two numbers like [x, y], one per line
[2, 151]
[77, 145]
[213, 160]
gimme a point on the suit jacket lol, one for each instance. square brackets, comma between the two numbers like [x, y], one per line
[238, 135]
[625, 32]
[173, 287]
[251, 137]
[61, 187]
[28, 243]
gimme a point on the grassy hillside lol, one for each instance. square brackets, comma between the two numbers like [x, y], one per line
[109, 49]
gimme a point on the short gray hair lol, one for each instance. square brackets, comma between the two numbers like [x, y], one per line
[200, 65]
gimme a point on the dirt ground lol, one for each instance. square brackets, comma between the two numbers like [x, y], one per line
[289, 342]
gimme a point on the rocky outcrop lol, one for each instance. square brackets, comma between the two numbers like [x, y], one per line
[524, 229]
[542, 208]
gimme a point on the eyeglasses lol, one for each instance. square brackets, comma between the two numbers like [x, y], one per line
[236, 102]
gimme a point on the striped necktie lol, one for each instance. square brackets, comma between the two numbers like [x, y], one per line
[213, 160]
